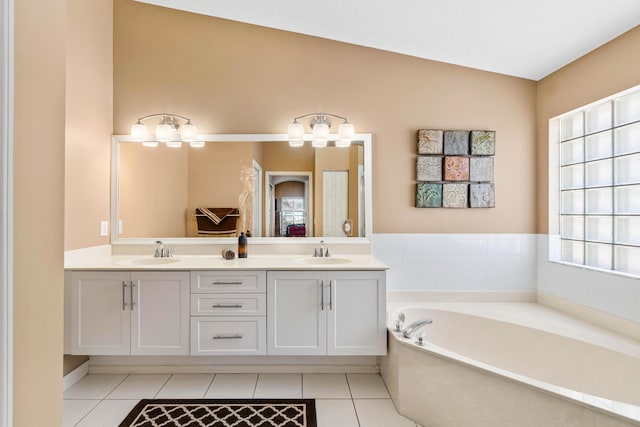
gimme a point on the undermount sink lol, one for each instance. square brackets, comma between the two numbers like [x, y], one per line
[148, 261]
[323, 261]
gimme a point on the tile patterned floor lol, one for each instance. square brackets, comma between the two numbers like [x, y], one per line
[351, 400]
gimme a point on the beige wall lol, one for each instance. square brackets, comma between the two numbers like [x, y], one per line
[153, 190]
[612, 68]
[237, 78]
[214, 177]
[38, 211]
[89, 120]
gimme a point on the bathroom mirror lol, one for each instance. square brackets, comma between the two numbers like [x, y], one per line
[253, 182]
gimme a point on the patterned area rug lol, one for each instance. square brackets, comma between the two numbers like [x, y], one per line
[222, 413]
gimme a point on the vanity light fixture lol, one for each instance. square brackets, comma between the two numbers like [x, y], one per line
[165, 130]
[320, 125]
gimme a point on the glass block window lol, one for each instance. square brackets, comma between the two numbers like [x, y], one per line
[599, 180]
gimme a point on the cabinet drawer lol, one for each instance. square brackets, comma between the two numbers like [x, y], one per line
[228, 305]
[228, 281]
[228, 335]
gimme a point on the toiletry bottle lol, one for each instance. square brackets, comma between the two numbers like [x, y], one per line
[242, 246]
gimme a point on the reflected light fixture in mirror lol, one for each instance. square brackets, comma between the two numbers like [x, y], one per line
[320, 125]
[166, 131]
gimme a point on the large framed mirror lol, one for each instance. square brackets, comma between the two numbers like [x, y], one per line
[254, 183]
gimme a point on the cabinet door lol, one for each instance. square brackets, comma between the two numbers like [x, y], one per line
[100, 313]
[160, 313]
[296, 319]
[356, 315]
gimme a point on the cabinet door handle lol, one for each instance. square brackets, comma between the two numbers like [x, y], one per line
[226, 306]
[133, 285]
[124, 295]
[322, 295]
[227, 283]
[330, 296]
[227, 337]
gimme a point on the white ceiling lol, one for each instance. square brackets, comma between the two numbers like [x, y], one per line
[523, 38]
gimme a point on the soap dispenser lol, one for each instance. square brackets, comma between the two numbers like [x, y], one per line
[242, 245]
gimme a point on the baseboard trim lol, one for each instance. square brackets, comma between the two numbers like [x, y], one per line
[234, 369]
[74, 376]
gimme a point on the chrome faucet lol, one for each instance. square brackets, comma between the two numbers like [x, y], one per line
[413, 327]
[322, 251]
[161, 251]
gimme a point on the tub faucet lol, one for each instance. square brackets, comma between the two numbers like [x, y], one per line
[413, 327]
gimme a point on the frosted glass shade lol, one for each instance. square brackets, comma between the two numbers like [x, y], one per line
[197, 144]
[319, 143]
[151, 144]
[296, 143]
[164, 133]
[188, 132]
[174, 144]
[139, 132]
[296, 134]
[321, 131]
[346, 133]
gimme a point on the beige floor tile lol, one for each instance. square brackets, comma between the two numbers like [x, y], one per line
[139, 387]
[380, 413]
[108, 413]
[279, 385]
[325, 386]
[74, 410]
[185, 386]
[231, 386]
[367, 386]
[93, 386]
[336, 413]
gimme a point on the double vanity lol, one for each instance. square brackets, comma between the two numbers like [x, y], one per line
[204, 305]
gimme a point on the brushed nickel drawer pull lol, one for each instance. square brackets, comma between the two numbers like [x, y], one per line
[228, 337]
[322, 295]
[124, 290]
[227, 283]
[226, 306]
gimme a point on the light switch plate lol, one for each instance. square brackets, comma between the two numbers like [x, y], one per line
[104, 228]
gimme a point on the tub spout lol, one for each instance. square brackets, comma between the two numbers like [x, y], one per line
[413, 327]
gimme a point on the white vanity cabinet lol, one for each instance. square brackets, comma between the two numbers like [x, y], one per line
[228, 312]
[326, 312]
[129, 313]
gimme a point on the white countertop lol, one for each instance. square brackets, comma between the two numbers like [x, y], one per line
[216, 262]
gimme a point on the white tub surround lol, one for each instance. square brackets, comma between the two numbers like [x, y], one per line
[512, 364]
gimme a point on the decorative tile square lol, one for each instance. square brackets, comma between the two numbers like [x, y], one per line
[428, 195]
[456, 168]
[483, 142]
[483, 196]
[429, 141]
[456, 142]
[481, 169]
[454, 195]
[429, 168]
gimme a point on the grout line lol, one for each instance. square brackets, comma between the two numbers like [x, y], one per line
[255, 386]
[353, 403]
[115, 387]
[209, 386]
[162, 386]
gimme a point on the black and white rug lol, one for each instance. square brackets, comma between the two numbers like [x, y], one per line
[222, 413]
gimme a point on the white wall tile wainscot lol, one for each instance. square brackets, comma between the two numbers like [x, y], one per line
[458, 262]
[604, 291]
